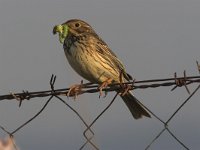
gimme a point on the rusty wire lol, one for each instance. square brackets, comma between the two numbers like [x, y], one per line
[92, 88]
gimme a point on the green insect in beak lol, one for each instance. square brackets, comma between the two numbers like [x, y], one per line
[62, 30]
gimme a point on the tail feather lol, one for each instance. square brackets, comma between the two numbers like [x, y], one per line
[135, 108]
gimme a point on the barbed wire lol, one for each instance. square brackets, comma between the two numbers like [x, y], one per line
[93, 88]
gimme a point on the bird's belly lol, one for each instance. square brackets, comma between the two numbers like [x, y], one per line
[88, 67]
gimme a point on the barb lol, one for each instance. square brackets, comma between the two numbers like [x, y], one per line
[181, 82]
[52, 82]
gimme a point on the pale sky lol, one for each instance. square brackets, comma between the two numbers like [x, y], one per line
[153, 38]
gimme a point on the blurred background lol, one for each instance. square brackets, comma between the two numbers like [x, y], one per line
[153, 38]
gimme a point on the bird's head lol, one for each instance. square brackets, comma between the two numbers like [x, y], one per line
[74, 27]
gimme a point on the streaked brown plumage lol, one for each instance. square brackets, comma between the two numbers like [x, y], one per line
[91, 58]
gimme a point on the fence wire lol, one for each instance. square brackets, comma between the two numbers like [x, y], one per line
[93, 88]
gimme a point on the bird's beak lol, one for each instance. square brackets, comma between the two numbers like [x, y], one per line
[62, 30]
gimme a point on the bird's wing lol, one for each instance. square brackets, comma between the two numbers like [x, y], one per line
[106, 53]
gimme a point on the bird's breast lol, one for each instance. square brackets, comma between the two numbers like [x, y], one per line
[81, 62]
[89, 64]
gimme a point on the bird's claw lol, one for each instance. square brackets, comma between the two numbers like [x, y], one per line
[75, 90]
[104, 85]
[125, 89]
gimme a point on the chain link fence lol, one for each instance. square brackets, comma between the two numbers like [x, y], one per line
[8, 143]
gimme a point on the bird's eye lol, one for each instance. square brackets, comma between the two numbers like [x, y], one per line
[77, 25]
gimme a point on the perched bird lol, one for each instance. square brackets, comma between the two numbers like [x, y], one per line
[92, 59]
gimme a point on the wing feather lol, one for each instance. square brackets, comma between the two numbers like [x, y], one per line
[105, 52]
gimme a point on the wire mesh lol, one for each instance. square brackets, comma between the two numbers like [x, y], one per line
[92, 88]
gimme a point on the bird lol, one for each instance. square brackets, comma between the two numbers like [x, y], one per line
[92, 59]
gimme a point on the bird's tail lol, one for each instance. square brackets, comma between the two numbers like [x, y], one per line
[135, 108]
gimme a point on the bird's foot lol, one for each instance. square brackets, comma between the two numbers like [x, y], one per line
[75, 90]
[125, 89]
[103, 86]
